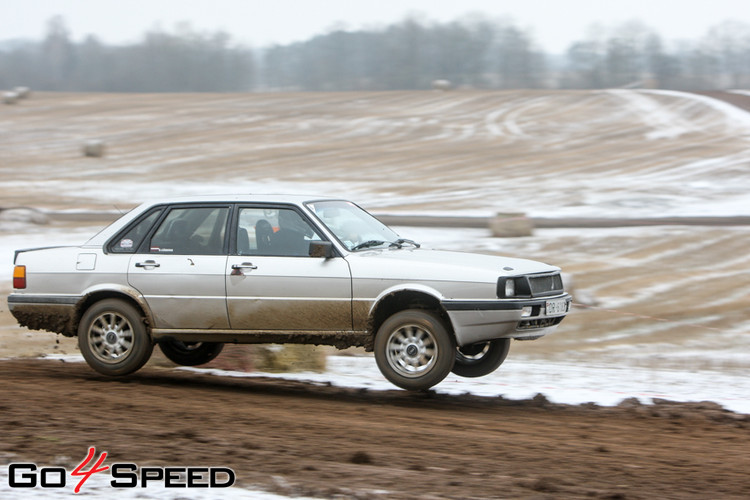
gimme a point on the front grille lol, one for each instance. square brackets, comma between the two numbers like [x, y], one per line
[550, 284]
[531, 285]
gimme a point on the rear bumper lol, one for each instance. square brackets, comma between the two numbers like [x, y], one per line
[480, 321]
[54, 313]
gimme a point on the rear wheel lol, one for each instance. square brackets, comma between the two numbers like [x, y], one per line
[414, 349]
[190, 353]
[478, 360]
[112, 338]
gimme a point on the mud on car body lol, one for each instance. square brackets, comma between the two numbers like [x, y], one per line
[193, 274]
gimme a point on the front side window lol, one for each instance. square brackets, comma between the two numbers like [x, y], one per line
[191, 231]
[274, 232]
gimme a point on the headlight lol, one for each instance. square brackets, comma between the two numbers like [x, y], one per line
[513, 287]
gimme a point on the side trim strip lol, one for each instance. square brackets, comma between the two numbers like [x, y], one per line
[65, 300]
[198, 331]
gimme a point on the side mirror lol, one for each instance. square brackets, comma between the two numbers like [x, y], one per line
[322, 249]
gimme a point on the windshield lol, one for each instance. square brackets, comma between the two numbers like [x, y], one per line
[354, 228]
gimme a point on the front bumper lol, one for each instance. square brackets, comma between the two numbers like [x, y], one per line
[483, 320]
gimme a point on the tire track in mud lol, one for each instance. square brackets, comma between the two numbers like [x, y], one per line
[305, 439]
[554, 141]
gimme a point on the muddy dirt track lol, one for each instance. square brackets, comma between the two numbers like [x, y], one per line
[296, 438]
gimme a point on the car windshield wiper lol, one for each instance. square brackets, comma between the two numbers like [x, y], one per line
[368, 244]
[401, 241]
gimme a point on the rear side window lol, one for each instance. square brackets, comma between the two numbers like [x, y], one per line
[191, 231]
[129, 241]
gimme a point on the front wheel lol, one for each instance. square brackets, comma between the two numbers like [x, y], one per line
[414, 349]
[478, 360]
[190, 353]
[112, 338]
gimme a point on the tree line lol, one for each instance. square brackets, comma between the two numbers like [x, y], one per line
[473, 52]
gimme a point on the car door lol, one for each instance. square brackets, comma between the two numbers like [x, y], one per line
[180, 268]
[272, 282]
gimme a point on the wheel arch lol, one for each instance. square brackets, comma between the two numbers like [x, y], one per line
[394, 300]
[92, 296]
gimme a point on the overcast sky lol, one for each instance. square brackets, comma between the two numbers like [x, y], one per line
[554, 24]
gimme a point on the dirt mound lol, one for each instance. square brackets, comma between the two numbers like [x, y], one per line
[742, 101]
[301, 438]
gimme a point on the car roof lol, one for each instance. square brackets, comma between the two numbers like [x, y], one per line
[112, 229]
[239, 198]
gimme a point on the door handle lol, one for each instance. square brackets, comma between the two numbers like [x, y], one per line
[238, 268]
[148, 263]
[244, 265]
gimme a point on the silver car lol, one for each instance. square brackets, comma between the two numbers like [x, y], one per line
[193, 274]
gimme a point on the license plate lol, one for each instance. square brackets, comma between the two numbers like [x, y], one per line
[555, 307]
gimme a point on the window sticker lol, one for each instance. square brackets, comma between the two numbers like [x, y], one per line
[126, 243]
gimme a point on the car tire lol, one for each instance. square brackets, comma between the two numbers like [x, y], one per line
[414, 349]
[190, 353]
[113, 339]
[480, 359]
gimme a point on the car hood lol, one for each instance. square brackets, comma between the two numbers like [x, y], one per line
[421, 264]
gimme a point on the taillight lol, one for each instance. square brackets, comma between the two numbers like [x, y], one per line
[19, 277]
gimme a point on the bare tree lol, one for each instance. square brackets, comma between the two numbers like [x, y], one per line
[58, 57]
[473, 51]
[729, 45]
